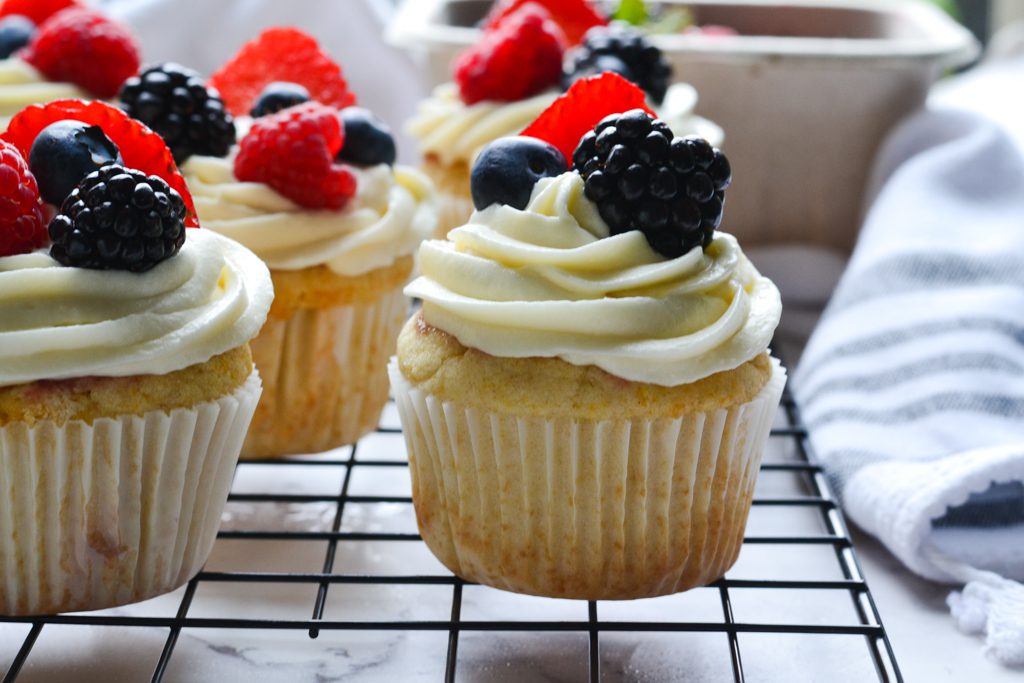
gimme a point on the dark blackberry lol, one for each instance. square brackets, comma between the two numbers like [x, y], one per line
[176, 103]
[641, 178]
[624, 50]
[118, 219]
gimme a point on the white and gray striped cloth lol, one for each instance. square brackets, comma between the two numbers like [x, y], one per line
[912, 385]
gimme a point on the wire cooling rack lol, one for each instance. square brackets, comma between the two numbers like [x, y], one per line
[795, 607]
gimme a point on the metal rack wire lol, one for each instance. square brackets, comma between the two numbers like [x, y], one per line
[789, 434]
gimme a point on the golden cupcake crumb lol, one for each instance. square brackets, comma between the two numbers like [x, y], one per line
[321, 287]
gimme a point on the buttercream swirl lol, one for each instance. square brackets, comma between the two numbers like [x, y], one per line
[21, 85]
[454, 132]
[392, 212]
[549, 281]
[58, 322]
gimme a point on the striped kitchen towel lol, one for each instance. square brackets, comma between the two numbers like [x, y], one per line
[912, 385]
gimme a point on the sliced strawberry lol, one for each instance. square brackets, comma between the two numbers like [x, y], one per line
[582, 107]
[141, 148]
[36, 10]
[280, 54]
[574, 16]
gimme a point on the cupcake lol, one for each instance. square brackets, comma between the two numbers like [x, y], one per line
[587, 392]
[312, 188]
[60, 50]
[516, 71]
[126, 380]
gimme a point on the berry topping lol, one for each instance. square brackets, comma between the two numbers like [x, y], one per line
[141, 148]
[65, 152]
[625, 51]
[21, 215]
[576, 112]
[574, 17]
[280, 54]
[15, 33]
[37, 11]
[368, 140]
[277, 96]
[293, 151]
[641, 178]
[175, 102]
[507, 169]
[86, 48]
[118, 219]
[518, 57]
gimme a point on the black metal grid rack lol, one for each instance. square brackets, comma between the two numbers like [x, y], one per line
[789, 435]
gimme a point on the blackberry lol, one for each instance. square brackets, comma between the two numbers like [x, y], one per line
[176, 103]
[624, 50]
[642, 178]
[118, 219]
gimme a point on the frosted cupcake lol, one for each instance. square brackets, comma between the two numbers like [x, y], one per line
[587, 392]
[513, 74]
[313, 191]
[60, 50]
[126, 380]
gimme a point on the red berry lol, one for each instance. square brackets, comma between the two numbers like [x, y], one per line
[521, 56]
[36, 10]
[294, 152]
[21, 214]
[582, 107]
[575, 17]
[141, 148]
[280, 54]
[86, 48]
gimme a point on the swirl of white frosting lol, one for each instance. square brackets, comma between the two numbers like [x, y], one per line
[392, 212]
[549, 281]
[21, 85]
[58, 322]
[454, 132]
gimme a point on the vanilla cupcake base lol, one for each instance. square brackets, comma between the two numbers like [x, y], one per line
[584, 508]
[454, 201]
[100, 514]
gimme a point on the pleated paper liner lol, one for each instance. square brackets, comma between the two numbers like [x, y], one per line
[589, 509]
[95, 516]
[324, 374]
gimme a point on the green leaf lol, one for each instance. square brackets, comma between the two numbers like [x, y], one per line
[672, 20]
[632, 11]
[949, 6]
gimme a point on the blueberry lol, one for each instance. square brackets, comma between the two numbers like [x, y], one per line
[277, 96]
[15, 33]
[508, 168]
[64, 153]
[368, 140]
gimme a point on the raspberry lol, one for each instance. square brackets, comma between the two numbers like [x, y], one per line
[519, 57]
[580, 109]
[36, 10]
[141, 148]
[21, 214]
[86, 48]
[118, 219]
[280, 54]
[627, 52]
[641, 178]
[575, 17]
[293, 152]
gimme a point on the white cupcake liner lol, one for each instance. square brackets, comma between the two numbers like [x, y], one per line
[324, 376]
[100, 515]
[581, 508]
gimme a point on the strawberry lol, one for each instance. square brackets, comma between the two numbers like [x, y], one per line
[293, 151]
[140, 148]
[519, 57]
[280, 54]
[36, 10]
[588, 101]
[575, 17]
[22, 228]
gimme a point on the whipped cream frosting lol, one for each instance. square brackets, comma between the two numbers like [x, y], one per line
[58, 322]
[454, 132]
[21, 85]
[392, 212]
[549, 281]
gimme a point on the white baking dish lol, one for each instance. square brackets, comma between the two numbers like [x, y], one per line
[804, 105]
